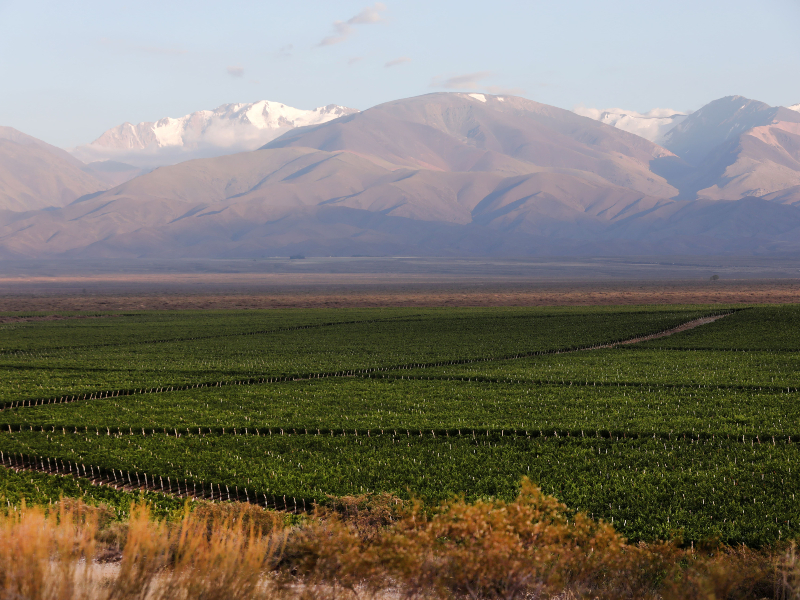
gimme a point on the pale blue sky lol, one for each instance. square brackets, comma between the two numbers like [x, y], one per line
[70, 70]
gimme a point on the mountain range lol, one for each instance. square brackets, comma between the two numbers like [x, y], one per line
[440, 174]
[228, 129]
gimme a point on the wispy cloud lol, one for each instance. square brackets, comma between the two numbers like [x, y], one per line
[285, 51]
[342, 32]
[461, 82]
[344, 29]
[397, 61]
[371, 14]
[354, 60]
[235, 71]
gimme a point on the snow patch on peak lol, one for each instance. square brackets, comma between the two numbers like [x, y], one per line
[652, 125]
[478, 97]
[795, 107]
[227, 129]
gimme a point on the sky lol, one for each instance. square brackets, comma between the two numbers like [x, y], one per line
[71, 70]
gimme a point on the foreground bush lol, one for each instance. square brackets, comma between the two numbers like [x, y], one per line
[489, 549]
[533, 547]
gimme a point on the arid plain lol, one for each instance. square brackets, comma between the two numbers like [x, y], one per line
[380, 282]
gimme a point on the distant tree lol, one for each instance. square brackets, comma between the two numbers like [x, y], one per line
[714, 277]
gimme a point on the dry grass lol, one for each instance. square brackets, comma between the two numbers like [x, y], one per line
[56, 555]
[368, 547]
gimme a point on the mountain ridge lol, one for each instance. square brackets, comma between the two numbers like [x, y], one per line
[718, 122]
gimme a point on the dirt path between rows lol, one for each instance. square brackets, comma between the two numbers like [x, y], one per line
[668, 332]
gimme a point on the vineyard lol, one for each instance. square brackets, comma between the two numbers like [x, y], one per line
[693, 435]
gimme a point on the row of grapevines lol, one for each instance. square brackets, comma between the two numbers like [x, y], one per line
[33, 487]
[434, 339]
[738, 492]
[424, 404]
[643, 366]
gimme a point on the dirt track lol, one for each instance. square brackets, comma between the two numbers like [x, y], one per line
[684, 327]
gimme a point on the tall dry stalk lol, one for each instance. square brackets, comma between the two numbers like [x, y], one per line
[231, 562]
[787, 571]
[145, 556]
[50, 556]
[47, 557]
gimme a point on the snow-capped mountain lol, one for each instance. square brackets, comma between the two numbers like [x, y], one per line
[227, 129]
[443, 174]
[795, 107]
[652, 125]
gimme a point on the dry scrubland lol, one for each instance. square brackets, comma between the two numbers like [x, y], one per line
[369, 547]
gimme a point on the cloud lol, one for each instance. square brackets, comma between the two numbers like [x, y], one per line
[371, 14]
[461, 82]
[354, 60]
[344, 29]
[397, 61]
[236, 71]
[285, 51]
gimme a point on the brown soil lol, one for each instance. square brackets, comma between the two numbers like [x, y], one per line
[30, 319]
[287, 291]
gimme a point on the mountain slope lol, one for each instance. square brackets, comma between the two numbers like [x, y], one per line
[718, 122]
[737, 148]
[461, 132]
[762, 161]
[113, 173]
[228, 129]
[35, 175]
